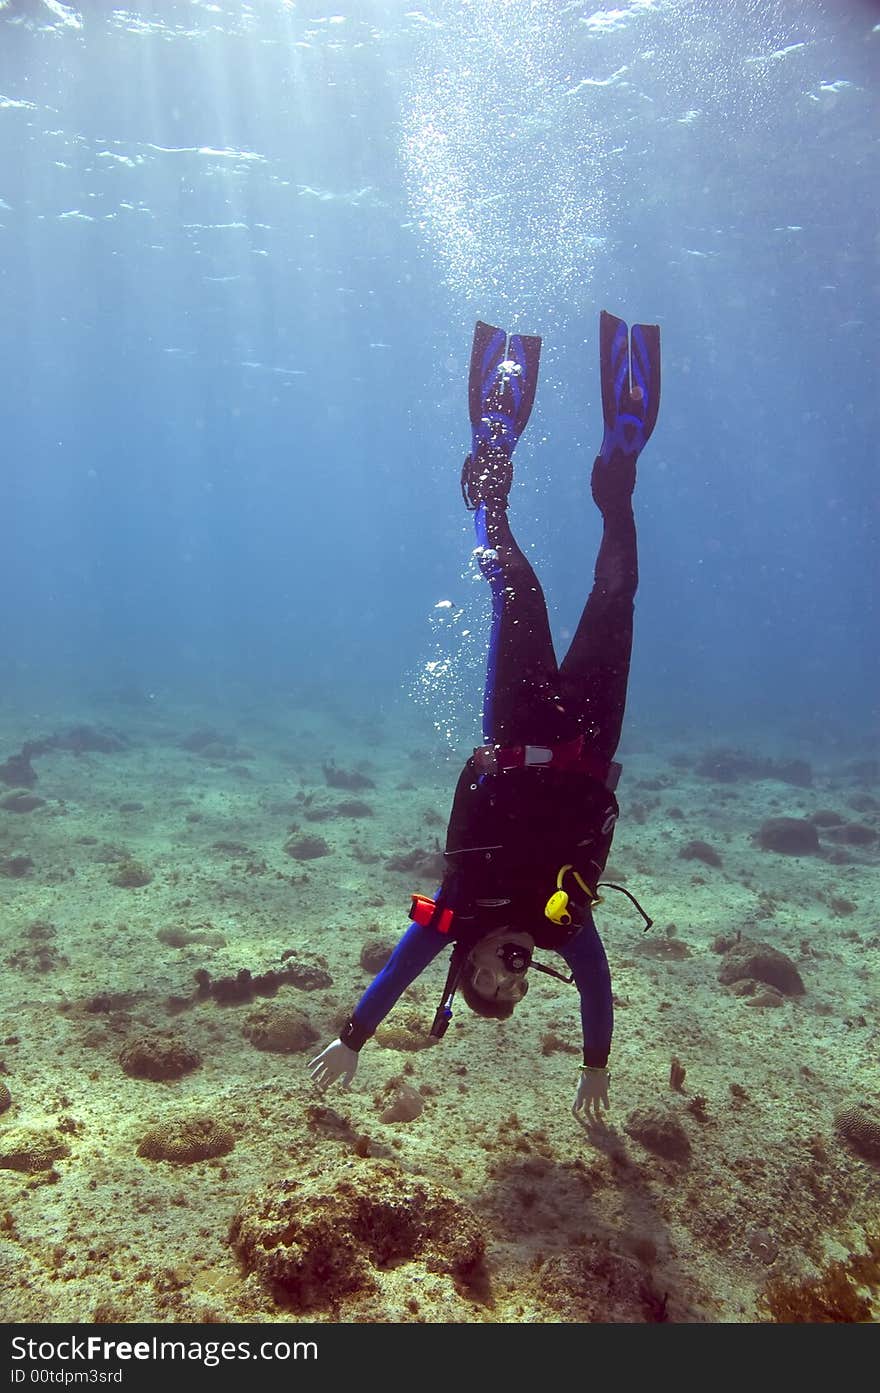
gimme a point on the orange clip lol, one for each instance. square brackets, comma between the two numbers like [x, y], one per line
[422, 911]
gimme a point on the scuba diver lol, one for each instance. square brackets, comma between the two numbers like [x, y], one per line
[534, 809]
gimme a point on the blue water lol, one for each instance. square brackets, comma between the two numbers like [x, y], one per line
[242, 248]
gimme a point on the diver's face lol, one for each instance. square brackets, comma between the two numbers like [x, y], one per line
[499, 965]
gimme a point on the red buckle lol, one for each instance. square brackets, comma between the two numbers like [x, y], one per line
[423, 911]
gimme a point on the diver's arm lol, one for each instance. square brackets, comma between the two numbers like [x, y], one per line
[419, 946]
[585, 955]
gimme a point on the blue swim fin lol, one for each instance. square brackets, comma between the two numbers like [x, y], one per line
[501, 393]
[487, 354]
[630, 384]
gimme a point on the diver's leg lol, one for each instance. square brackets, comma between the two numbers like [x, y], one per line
[595, 672]
[522, 675]
[521, 703]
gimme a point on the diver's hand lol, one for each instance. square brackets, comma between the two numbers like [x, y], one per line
[337, 1061]
[592, 1094]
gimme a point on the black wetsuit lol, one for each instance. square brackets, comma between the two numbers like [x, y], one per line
[511, 831]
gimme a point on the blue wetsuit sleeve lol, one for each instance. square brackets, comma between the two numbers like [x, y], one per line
[585, 955]
[419, 946]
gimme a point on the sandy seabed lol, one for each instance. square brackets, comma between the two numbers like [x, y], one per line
[763, 1212]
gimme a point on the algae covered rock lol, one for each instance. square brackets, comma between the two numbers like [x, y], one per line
[318, 1240]
[401, 1103]
[185, 1140]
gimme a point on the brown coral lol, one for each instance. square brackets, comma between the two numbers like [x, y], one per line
[859, 1127]
[762, 963]
[375, 953]
[130, 875]
[761, 995]
[319, 1240]
[306, 848]
[18, 770]
[836, 1296]
[31, 1149]
[187, 1139]
[38, 952]
[660, 1131]
[16, 867]
[351, 779]
[792, 836]
[21, 801]
[595, 1283]
[406, 1031]
[158, 1057]
[307, 971]
[281, 1029]
[700, 851]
